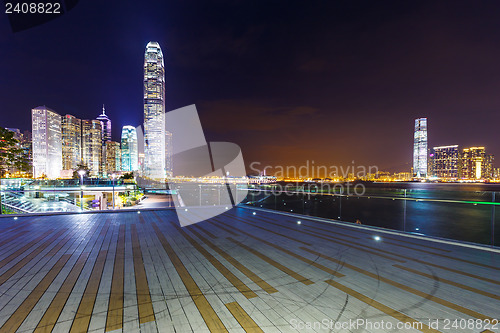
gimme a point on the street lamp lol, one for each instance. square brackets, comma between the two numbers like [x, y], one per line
[113, 176]
[81, 172]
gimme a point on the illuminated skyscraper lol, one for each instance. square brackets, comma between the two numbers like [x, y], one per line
[71, 142]
[47, 142]
[476, 164]
[113, 157]
[129, 149]
[92, 146]
[154, 112]
[105, 126]
[445, 162]
[420, 148]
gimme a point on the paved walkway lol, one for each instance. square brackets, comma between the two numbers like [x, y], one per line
[141, 272]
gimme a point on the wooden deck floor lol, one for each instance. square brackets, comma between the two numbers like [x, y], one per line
[131, 272]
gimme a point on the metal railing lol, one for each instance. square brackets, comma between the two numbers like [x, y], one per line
[463, 216]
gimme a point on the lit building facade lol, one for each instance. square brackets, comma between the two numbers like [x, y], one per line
[476, 164]
[113, 157]
[154, 112]
[420, 148]
[47, 142]
[129, 149]
[105, 126]
[71, 142]
[445, 162]
[92, 146]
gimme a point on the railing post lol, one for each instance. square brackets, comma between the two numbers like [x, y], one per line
[404, 213]
[340, 206]
[493, 219]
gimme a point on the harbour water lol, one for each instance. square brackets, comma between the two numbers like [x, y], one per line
[464, 212]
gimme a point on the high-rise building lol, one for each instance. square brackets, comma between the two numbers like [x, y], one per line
[154, 112]
[113, 157]
[169, 167]
[47, 142]
[71, 142]
[445, 162]
[105, 137]
[420, 148]
[105, 126]
[92, 146]
[129, 149]
[476, 164]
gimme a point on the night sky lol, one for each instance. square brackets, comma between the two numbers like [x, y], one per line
[289, 81]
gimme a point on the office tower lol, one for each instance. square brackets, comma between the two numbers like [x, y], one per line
[113, 157]
[420, 148]
[71, 142]
[169, 167]
[129, 149]
[476, 164]
[47, 142]
[105, 137]
[92, 146]
[154, 112]
[445, 162]
[105, 126]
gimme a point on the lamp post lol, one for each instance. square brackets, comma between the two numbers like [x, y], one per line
[81, 172]
[113, 176]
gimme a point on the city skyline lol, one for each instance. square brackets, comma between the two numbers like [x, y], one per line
[283, 96]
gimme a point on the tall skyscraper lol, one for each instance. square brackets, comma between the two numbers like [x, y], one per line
[47, 142]
[420, 148]
[445, 162]
[71, 142]
[113, 157]
[105, 126]
[92, 146]
[129, 149]
[154, 112]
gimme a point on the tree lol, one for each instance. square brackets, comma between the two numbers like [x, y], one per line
[128, 175]
[12, 157]
[79, 167]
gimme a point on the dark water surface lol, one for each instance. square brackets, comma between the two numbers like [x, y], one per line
[465, 213]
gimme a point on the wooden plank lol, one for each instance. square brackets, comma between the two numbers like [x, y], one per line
[207, 312]
[274, 263]
[14, 269]
[233, 279]
[242, 268]
[383, 308]
[290, 253]
[205, 231]
[401, 286]
[26, 247]
[114, 319]
[84, 312]
[277, 233]
[17, 318]
[455, 284]
[146, 313]
[243, 318]
[49, 319]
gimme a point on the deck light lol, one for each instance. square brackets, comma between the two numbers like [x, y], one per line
[15, 218]
[138, 212]
[254, 213]
[298, 222]
[377, 238]
[417, 229]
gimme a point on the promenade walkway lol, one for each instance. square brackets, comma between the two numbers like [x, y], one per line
[239, 272]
